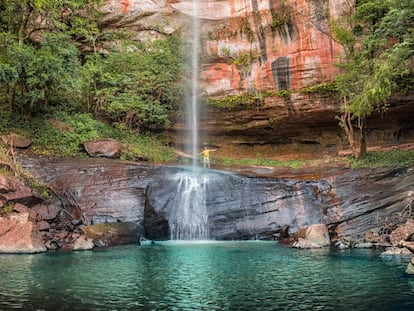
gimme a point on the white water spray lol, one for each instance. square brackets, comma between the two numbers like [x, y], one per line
[189, 218]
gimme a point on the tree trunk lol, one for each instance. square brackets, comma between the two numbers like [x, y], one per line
[356, 141]
[362, 139]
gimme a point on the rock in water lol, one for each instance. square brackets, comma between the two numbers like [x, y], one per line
[83, 243]
[110, 234]
[410, 268]
[316, 236]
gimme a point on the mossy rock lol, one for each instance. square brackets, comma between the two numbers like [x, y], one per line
[111, 234]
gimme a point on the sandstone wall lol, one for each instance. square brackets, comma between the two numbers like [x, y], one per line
[288, 47]
[289, 40]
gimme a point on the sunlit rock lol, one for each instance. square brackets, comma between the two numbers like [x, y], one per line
[410, 268]
[404, 231]
[83, 243]
[306, 244]
[396, 252]
[19, 235]
[409, 245]
[315, 236]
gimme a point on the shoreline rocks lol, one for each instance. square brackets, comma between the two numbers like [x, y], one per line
[38, 226]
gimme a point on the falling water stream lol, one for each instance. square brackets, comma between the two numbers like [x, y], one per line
[188, 217]
[192, 104]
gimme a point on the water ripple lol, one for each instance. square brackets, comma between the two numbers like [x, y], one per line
[204, 276]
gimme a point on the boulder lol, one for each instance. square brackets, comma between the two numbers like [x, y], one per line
[43, 225]
[83, 243]
[371, 236]
[410, 268]
[364, 245]
[110, 234]
[316, 236]
[20, 193]
[319, 234]
[19, 235]
[402, 233]
[409, 245]
[46, 211]
[4, 184]
[395, 252]
[109, 148]
[16, 140]
[20, 208]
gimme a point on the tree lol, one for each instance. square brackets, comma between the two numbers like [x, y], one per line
[378, 42]
[38, 57]
[136, 85]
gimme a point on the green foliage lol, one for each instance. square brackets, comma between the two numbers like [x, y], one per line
[148, 148]
[378, 40]
[7, 209]
[39, 62]
[281, 16]
[246, 28]
[393, 158]
[324, 87]
[234, 102]
[245, 100]
[259, 162]
[60, 134]
[387, 45]
[138, 85]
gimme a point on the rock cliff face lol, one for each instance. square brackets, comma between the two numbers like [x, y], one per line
[349, 202]
[254, 46]
[289, 40]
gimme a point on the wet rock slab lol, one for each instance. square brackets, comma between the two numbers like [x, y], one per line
[349, 202]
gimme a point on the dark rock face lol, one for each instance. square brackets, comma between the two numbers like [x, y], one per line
[241, 207]
[369, 199]
[349, 202]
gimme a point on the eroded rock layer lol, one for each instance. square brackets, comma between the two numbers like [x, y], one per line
[349, 202]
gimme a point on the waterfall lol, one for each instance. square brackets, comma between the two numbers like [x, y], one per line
[192, 102]
[188, 218]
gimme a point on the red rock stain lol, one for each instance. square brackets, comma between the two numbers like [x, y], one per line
[125, 6]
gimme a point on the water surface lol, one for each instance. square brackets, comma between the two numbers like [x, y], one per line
[204, 276]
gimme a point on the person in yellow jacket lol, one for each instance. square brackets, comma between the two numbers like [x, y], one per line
[206, 156]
